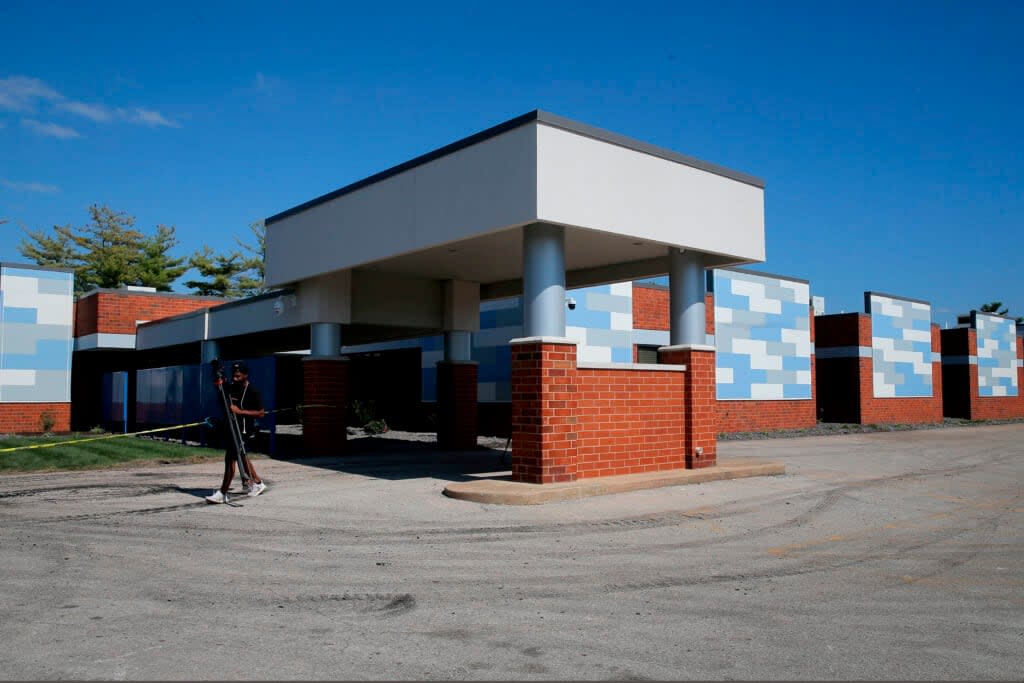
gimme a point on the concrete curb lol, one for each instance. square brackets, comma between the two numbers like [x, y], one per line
[506, 492]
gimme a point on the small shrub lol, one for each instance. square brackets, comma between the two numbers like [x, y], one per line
[362, 412]
[97, 430]
[375, 427]
[48, 420]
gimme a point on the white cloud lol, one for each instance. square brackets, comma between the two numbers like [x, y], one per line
[146, 117]
[29, 187]
[20, 93]
[24, 94]
[96, 112]
[50, 129]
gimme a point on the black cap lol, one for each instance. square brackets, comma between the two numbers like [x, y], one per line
[239, 367]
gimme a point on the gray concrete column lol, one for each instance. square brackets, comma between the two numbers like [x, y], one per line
[457, 345]
[325, 340]
[543, 281]
[686, 297]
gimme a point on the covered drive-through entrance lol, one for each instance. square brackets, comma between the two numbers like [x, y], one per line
[525, 208]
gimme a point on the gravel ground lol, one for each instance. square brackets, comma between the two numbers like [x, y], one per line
[829, 428]
[875, 557]
[821, 429]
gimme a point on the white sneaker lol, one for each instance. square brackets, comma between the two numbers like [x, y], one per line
[218, 497]
[257, 489]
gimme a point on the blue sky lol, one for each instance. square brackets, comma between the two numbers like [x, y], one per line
[888, 134]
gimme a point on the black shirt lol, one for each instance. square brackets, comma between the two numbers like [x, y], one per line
[246, 397]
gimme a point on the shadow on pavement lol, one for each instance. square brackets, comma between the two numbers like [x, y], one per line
[386, 457]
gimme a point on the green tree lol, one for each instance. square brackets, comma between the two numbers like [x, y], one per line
[108, 252]
[220, 272]
[49, 250]
[251, 281]
[156, 269]
[237, 273]
[997, 308]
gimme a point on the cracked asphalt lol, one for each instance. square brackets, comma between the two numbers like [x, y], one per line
[876, 556]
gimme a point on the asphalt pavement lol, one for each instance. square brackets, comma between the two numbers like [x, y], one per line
[875, 556]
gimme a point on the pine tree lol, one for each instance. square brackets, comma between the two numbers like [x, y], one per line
[219, 270]
[235, 273]
[107, 252]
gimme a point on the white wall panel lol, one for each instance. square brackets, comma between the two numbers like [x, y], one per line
[592, 184]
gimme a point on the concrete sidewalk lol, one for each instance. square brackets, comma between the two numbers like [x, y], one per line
[507, 492]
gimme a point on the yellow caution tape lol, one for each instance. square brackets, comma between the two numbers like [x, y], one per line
[100, 438]
[205, 422]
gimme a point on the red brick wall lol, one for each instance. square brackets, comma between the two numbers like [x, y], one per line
[325, 384]
[629, 421]
[544, 429]
[700, 409]
[27, 418]
[650, 309]
[117, 312]
[758, 416]
[571, 423]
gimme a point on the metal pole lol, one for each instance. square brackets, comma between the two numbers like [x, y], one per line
[325, 340]
[543, 281]
[457, 345]
[686, 297]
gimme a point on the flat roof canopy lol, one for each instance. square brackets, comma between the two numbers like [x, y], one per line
[457, 213]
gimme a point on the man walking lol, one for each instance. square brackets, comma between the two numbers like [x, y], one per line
[246, 406]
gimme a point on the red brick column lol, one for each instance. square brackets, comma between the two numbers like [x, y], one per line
[699, 418]
[456, 404]
[325, 383]
[544, 403]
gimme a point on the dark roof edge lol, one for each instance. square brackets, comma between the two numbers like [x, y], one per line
[494, 131]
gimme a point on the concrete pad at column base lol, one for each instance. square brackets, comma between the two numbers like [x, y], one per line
[505, 492]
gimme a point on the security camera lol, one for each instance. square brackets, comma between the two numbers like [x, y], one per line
[571, 303]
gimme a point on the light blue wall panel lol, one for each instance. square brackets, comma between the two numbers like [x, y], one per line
[901, 346]
[35, 335]
[762, 337]
[997, 355]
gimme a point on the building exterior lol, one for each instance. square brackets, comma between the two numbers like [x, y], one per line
[882, 366]
[759, 324]
[105, 326]
[35, 348]
[982, 371]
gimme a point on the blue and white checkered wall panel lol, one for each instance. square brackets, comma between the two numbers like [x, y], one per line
[602, 322]
[762, 337]
[997, 355]
[500, 321]
[901, 347]
[35, 335]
